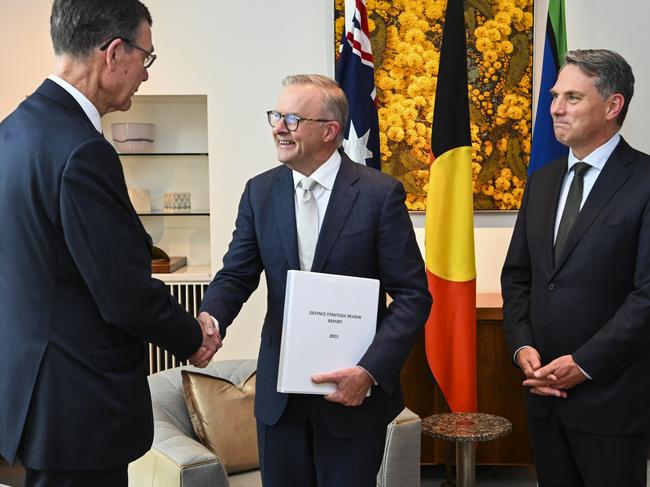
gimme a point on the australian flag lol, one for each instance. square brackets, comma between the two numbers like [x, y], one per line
[356, 75]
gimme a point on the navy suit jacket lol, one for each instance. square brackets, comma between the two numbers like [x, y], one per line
[366, 232]
[77, 299]
[595, 302]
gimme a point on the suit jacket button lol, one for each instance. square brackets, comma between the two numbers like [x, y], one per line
[551, 286]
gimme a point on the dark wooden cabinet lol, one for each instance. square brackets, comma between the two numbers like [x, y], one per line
[499, 391]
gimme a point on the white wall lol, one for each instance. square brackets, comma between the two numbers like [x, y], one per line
[237, 53]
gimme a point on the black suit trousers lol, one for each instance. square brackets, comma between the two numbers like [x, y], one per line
[299, 451]
[116, 477]
[565, 457]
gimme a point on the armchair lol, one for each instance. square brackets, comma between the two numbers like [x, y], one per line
[177, 459]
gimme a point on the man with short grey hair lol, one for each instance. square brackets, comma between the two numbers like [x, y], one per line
[335, 103]
[576, 286]
[359, 227]
[77, 299]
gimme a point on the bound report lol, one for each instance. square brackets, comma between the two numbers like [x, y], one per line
[329, 323]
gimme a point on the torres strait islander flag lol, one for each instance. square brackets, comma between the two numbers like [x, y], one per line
[450, 332]
[355, 74]
[545, 147]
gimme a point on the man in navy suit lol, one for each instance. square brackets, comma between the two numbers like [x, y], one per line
[77, 300]
[364, 231]
[576, 286]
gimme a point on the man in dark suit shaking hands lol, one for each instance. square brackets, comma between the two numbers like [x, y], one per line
[576, 286]
[77, 300]
[361, 228]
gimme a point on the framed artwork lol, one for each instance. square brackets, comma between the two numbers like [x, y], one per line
[406, 37]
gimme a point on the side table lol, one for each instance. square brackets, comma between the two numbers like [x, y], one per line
[466, 429]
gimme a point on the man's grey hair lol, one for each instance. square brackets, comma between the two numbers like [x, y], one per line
[77, 27]
[610, 71]
[335, 102]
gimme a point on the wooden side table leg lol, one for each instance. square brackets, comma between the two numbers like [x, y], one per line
[465, 464]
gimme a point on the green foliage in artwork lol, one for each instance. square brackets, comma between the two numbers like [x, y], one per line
[483, 6]
[378, 39]
[516, 162]
[519, 59]
[488, 168]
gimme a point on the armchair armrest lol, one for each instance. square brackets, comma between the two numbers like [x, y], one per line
[176, 460]
[401, 464]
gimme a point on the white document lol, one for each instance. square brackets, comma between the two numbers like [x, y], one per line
[329, 323]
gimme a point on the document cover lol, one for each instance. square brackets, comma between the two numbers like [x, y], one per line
[329, 323]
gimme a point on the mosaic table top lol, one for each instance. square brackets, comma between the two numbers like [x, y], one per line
[466, 426]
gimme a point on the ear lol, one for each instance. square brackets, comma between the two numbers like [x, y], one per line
[112, 54]
[615, 104]
[332, 131]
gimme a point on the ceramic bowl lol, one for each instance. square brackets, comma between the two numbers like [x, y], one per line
[133, 137]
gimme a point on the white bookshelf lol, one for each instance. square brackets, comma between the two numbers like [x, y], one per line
[178, 162]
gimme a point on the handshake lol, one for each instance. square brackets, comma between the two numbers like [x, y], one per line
[211, 341]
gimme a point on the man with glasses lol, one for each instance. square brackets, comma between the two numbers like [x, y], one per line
[77, 299]
[362, 229]
[150, 57]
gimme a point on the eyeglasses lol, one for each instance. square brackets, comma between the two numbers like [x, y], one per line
[148, 60]
[291, 121]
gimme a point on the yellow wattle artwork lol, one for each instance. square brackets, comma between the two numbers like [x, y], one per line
[406, 36]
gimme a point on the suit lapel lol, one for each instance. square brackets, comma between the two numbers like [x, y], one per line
[610, 180]
[344, 194]
[285, 210]
[553, 182]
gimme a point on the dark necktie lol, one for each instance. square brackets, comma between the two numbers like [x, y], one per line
[571, 207]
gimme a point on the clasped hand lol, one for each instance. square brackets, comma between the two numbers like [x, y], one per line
[211, 341]
[554, 379]
[352, 385]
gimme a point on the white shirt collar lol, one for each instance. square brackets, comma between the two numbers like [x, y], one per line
[325, 175]
[598, 157]
[89, 109]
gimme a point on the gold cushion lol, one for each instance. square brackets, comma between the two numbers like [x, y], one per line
[222, 418]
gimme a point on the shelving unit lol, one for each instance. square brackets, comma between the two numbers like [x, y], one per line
[175, 213]
[179, 162]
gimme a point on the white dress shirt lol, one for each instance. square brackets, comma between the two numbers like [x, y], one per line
[325, 176]
[596, 160]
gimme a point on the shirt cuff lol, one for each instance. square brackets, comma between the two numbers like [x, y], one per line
[514, 356]
[584, 372]
[216, 324]
[369, 375]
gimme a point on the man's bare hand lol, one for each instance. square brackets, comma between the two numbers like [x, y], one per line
[556, 377]
[211, 341]
[352, 385]
[528, 360]
[530, 363]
